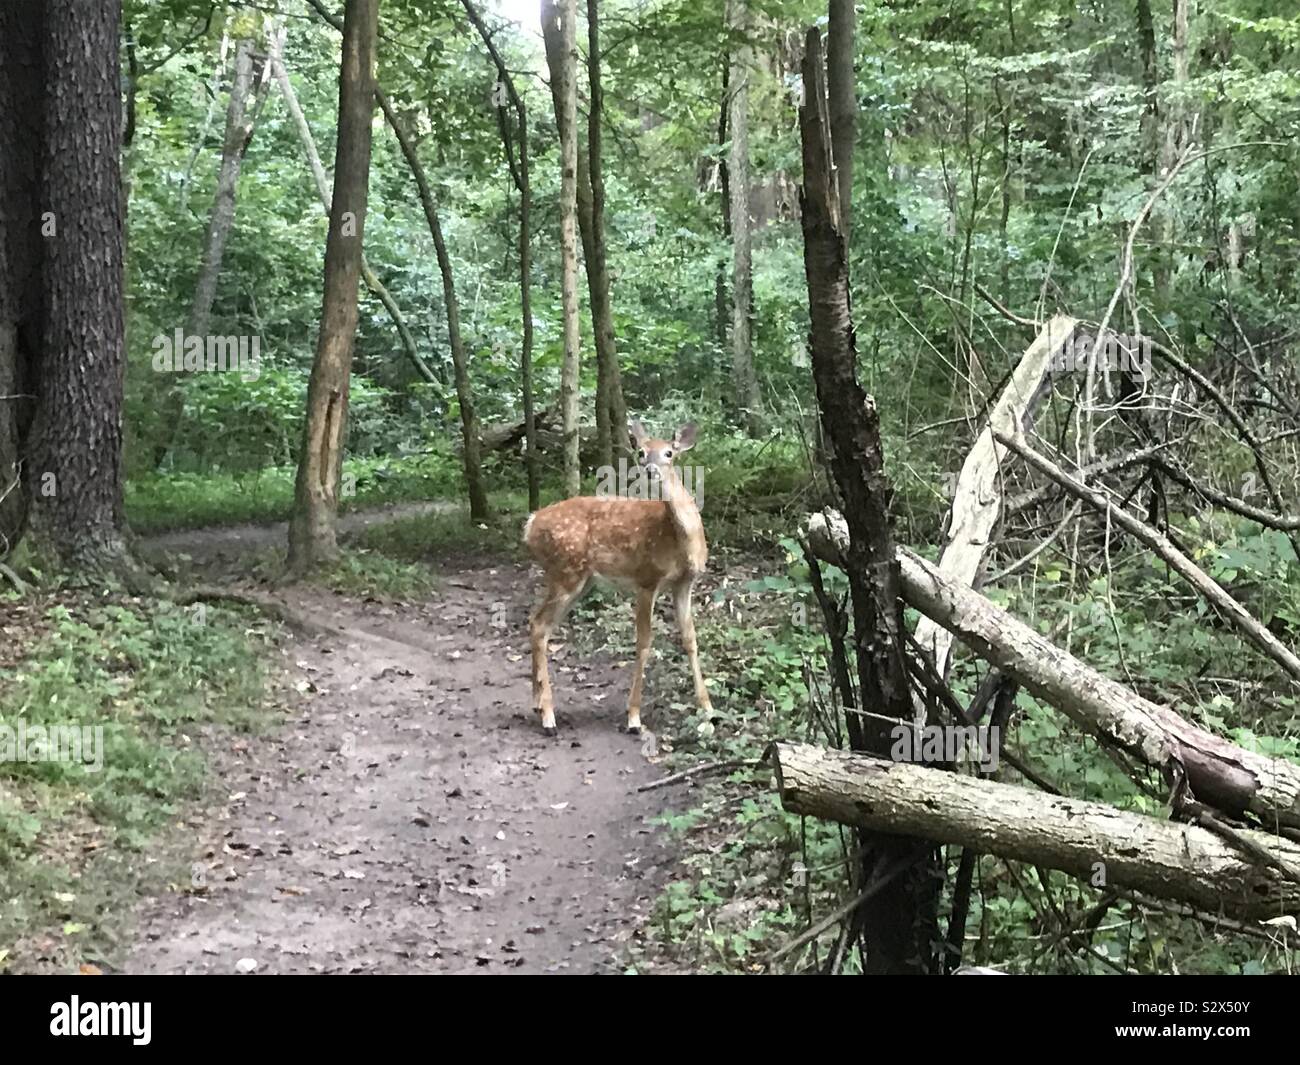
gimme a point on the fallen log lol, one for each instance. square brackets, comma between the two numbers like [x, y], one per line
[1090, 840]
[1220, 774]
[977, 493]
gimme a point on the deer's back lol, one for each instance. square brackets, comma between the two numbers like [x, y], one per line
[632, 540]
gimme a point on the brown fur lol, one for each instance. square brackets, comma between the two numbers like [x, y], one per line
[638, 543]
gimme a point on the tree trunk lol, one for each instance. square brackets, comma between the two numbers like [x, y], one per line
[721, 304]
[313, 527]
[1218, 773]
[73, 466]
[901, 922]
[478, 503]
[520, 174]
[559, 27]
[1090, 840]
[742, 276]
[22, 88]
[322, 182]
[611, 411]
[239, 131]
[842, 94]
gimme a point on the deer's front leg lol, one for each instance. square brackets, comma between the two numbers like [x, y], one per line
[645, 605]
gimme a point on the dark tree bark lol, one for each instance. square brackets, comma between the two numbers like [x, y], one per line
[840, 87]
[611, 410]
[313, 538]
[720, 302]
[900, 925]
[22, 85]
[520, 176]
[73, 468]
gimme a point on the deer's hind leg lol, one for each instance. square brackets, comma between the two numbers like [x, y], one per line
[686, 623]
[559, 594]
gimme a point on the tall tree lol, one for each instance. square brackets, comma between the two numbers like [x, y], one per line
[611, 410]
[900, 923]
[313, 535]
[742, 271]
[72, 465]
[520, 175]
[559, 28]
[471, 445]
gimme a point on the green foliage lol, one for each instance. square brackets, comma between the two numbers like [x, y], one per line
[145, 674]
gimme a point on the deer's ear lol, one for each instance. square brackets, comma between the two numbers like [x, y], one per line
[684, 439]
[636, 432]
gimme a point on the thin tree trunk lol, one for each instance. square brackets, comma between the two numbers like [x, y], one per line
[478, 504]
[322, 182]
[720, 301]
[313, 527]
[522, 184]
[840, 88]
[559, 27]
[611, 425]
[742, 277]
[74, 457]
[901, 924]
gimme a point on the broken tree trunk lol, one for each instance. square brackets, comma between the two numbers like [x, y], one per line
[1090, 840]
[977, 494]
[1219, 773]
[325, 193]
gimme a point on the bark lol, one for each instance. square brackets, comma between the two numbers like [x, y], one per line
[1220, 774]
[843, 103]
[559, 27]
[744, 380]
[901, 923]
[611, 410]
[977, 495]
[520, 175]
[1089, 840]
[22, 87]
[73, 468]
[322, 182]
[313, 527]
[478, 503]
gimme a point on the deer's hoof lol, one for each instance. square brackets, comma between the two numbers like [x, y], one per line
[550, 731]
[633, 730]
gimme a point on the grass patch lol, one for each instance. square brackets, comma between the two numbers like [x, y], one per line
[139, 675]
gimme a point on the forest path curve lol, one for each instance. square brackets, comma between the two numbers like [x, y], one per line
[409, 816]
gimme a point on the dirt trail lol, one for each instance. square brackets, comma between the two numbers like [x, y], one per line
[410, 816]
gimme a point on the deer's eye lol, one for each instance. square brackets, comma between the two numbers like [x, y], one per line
[668, 454]
[640, 456]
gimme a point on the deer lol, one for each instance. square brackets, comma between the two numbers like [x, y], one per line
[643, 545]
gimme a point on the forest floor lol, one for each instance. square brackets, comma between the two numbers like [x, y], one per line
[409, 815]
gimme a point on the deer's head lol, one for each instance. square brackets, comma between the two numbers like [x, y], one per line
[656, 456]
